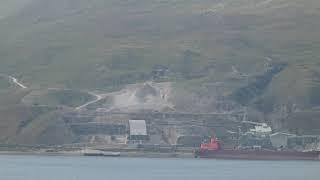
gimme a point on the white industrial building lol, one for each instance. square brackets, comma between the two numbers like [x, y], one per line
[138, 132]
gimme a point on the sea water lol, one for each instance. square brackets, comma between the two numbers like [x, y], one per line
[98, 168]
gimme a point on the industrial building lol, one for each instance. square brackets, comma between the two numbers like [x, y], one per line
[292, 141]
[280, 139]
[138, 132]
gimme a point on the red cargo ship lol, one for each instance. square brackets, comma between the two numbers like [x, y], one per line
[214, 150]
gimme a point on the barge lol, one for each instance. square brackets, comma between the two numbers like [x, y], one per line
[101, 153]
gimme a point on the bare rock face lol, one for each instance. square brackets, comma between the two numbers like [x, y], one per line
[146, 91]
[139, 97]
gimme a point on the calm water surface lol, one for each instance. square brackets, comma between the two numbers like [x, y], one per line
[91, 168]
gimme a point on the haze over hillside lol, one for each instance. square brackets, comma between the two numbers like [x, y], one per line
[261, 54]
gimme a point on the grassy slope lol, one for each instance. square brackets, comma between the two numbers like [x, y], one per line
[29, 125]
[74, 43]
[102, 44]
[76, 46]
[52, 98]
[4, 84]
[10, 7]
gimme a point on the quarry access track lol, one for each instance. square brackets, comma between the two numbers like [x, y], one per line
[15, 81]
[97, 98]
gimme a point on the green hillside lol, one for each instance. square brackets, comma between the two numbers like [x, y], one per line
[106, 44]
[10, 7]
[99, 44]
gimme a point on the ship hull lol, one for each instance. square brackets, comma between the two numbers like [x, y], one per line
[258, 155]
[111, 154]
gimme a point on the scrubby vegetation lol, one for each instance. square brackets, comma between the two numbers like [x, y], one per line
[209, 48]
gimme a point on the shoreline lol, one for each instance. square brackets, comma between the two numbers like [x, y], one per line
[151, 155]
[180, 155]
